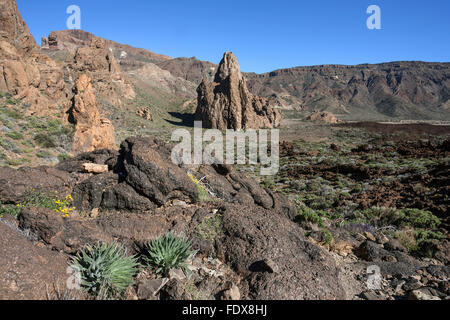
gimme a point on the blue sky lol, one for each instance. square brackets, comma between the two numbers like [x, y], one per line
[264, 35]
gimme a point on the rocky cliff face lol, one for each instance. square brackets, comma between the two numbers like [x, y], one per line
[99, 63]
[31, 77]
[128, 57]
[405, 90]
[13, 28]
[189, 69]
[226, 103]
[92, 131]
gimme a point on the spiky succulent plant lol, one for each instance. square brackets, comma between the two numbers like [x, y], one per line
[168, 252]
[105, 269]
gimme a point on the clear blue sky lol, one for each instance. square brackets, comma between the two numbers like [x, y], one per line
[265, 35]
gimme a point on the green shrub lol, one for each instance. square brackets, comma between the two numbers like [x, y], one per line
[43, 154]
[268, 183]
[15, 135]
[53, 125]
[402, 217]
[63, 157]
[14, 162]
[419, 218]
[105, 270]
[12, 101]
[12, 113]
[168, 252]
[10, 209]
[309, 215]
[210, 228]
[8, 145]
[45, 140]
[328, 235]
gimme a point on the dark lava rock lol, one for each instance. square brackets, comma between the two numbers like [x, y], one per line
[371, 251]
[16, 185]
[305, 270]
[102, 157]
[152, 173]
[174, 290]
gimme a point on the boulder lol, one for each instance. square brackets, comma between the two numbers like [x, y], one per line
[94, 168]
[152, 173]
[17, 185]
[323, 117]
[26, 270]
[303, 270]
[145, 113]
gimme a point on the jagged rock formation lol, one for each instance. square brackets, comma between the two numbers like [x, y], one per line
[71, 40]
[323, 117]
[14, 30]
[145, 113]
[99, 63]
[92, 131]
[405, 90]
[24, 72]
[226, 103]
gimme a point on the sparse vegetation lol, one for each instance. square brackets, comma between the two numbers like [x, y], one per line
[210, 228]
[203, 193]
[44, 140]
[63, 157]
[168, 252]
[10, 209]
[38, 140]
[106, 270]
[62, 206]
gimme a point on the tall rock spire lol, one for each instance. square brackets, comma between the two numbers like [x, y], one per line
[227, 103]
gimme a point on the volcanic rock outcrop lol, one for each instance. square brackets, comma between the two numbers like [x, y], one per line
[323, 117]
[92, 131]
[99, 63]
[226, 103]
[257, 224]
[24, 72]
[71, 40]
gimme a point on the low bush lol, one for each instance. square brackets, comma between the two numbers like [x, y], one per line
[15, 135]
[9, 209]
[105, 270]
[210, 228]
[168, 252]
[45, 140]
[50, 201]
